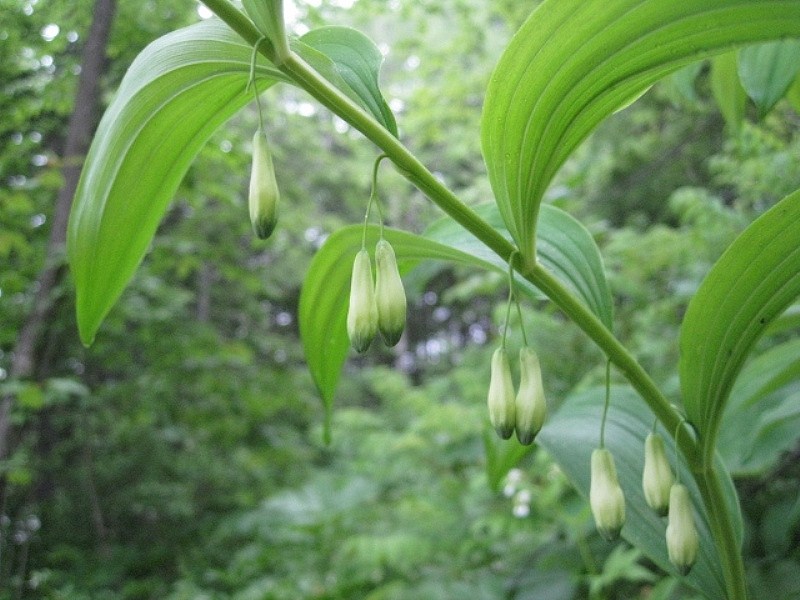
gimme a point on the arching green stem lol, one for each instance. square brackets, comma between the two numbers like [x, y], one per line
[304, 76]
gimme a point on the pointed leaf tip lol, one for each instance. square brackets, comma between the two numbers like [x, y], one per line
[176, 93]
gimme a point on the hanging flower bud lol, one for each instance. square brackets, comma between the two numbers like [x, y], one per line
[263, 197]
[389, 294]
[605, 495]
[501, 395]
[362, 315]
[657, 475]
[682, 540]
[531, 407]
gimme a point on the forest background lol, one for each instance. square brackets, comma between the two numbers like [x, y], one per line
[181, 456]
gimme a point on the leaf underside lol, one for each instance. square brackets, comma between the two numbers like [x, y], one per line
[572, 433]
[352, 62]
[574, 62]
[752, 284]
[762, 419]
[175, 94]
[767, 71]
[727, 89]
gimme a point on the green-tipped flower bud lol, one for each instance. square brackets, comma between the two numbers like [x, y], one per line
[657, 476]
[389, 294]
[501, 395]
[605, 495]
[263, 197]
[682, 540]
[531, 407]
[362, 315]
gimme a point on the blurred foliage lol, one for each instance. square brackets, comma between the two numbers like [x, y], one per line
[181, 456]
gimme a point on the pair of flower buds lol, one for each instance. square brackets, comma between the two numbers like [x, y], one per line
[378, 306]
[263, 195]
[661, 493]
[524, 412]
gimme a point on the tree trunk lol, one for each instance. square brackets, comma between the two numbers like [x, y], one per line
[81, 125]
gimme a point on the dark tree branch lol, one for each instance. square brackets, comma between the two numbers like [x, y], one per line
[81, 125]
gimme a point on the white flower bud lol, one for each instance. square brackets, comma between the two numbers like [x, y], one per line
[263, 196]
[362, 315]
[657, 476]
[501, 395]
[605, 495]
[682, 539]
[389, 294]
[531, 407]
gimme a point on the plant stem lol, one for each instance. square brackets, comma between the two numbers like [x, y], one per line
[720, 519]
[605, 405]
[332, 98]
[617, 354]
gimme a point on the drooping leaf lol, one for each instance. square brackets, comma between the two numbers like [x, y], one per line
[322, 310]
[727, 89]
[753, 282]
[566, 248]
[763, 416]
[572, 433]
[351, 62]
[175, 94]
[574, 62]
[767, 71]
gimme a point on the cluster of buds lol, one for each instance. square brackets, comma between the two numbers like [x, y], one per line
[670, 499]
[263, 194]
[662, 494]
[379, 305]
[524, 412]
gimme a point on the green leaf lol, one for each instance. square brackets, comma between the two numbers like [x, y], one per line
[727, 89]
[788, 321]
[621, 565]
[322, 311]
[566, 248]
[753, 282]
[501, 456]
[267, 16]
[684, 81]
[350, 61]
[767, 71]
[763, 417]
[573, 432]
[793, 95]
[573, 62]
[175, 94]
